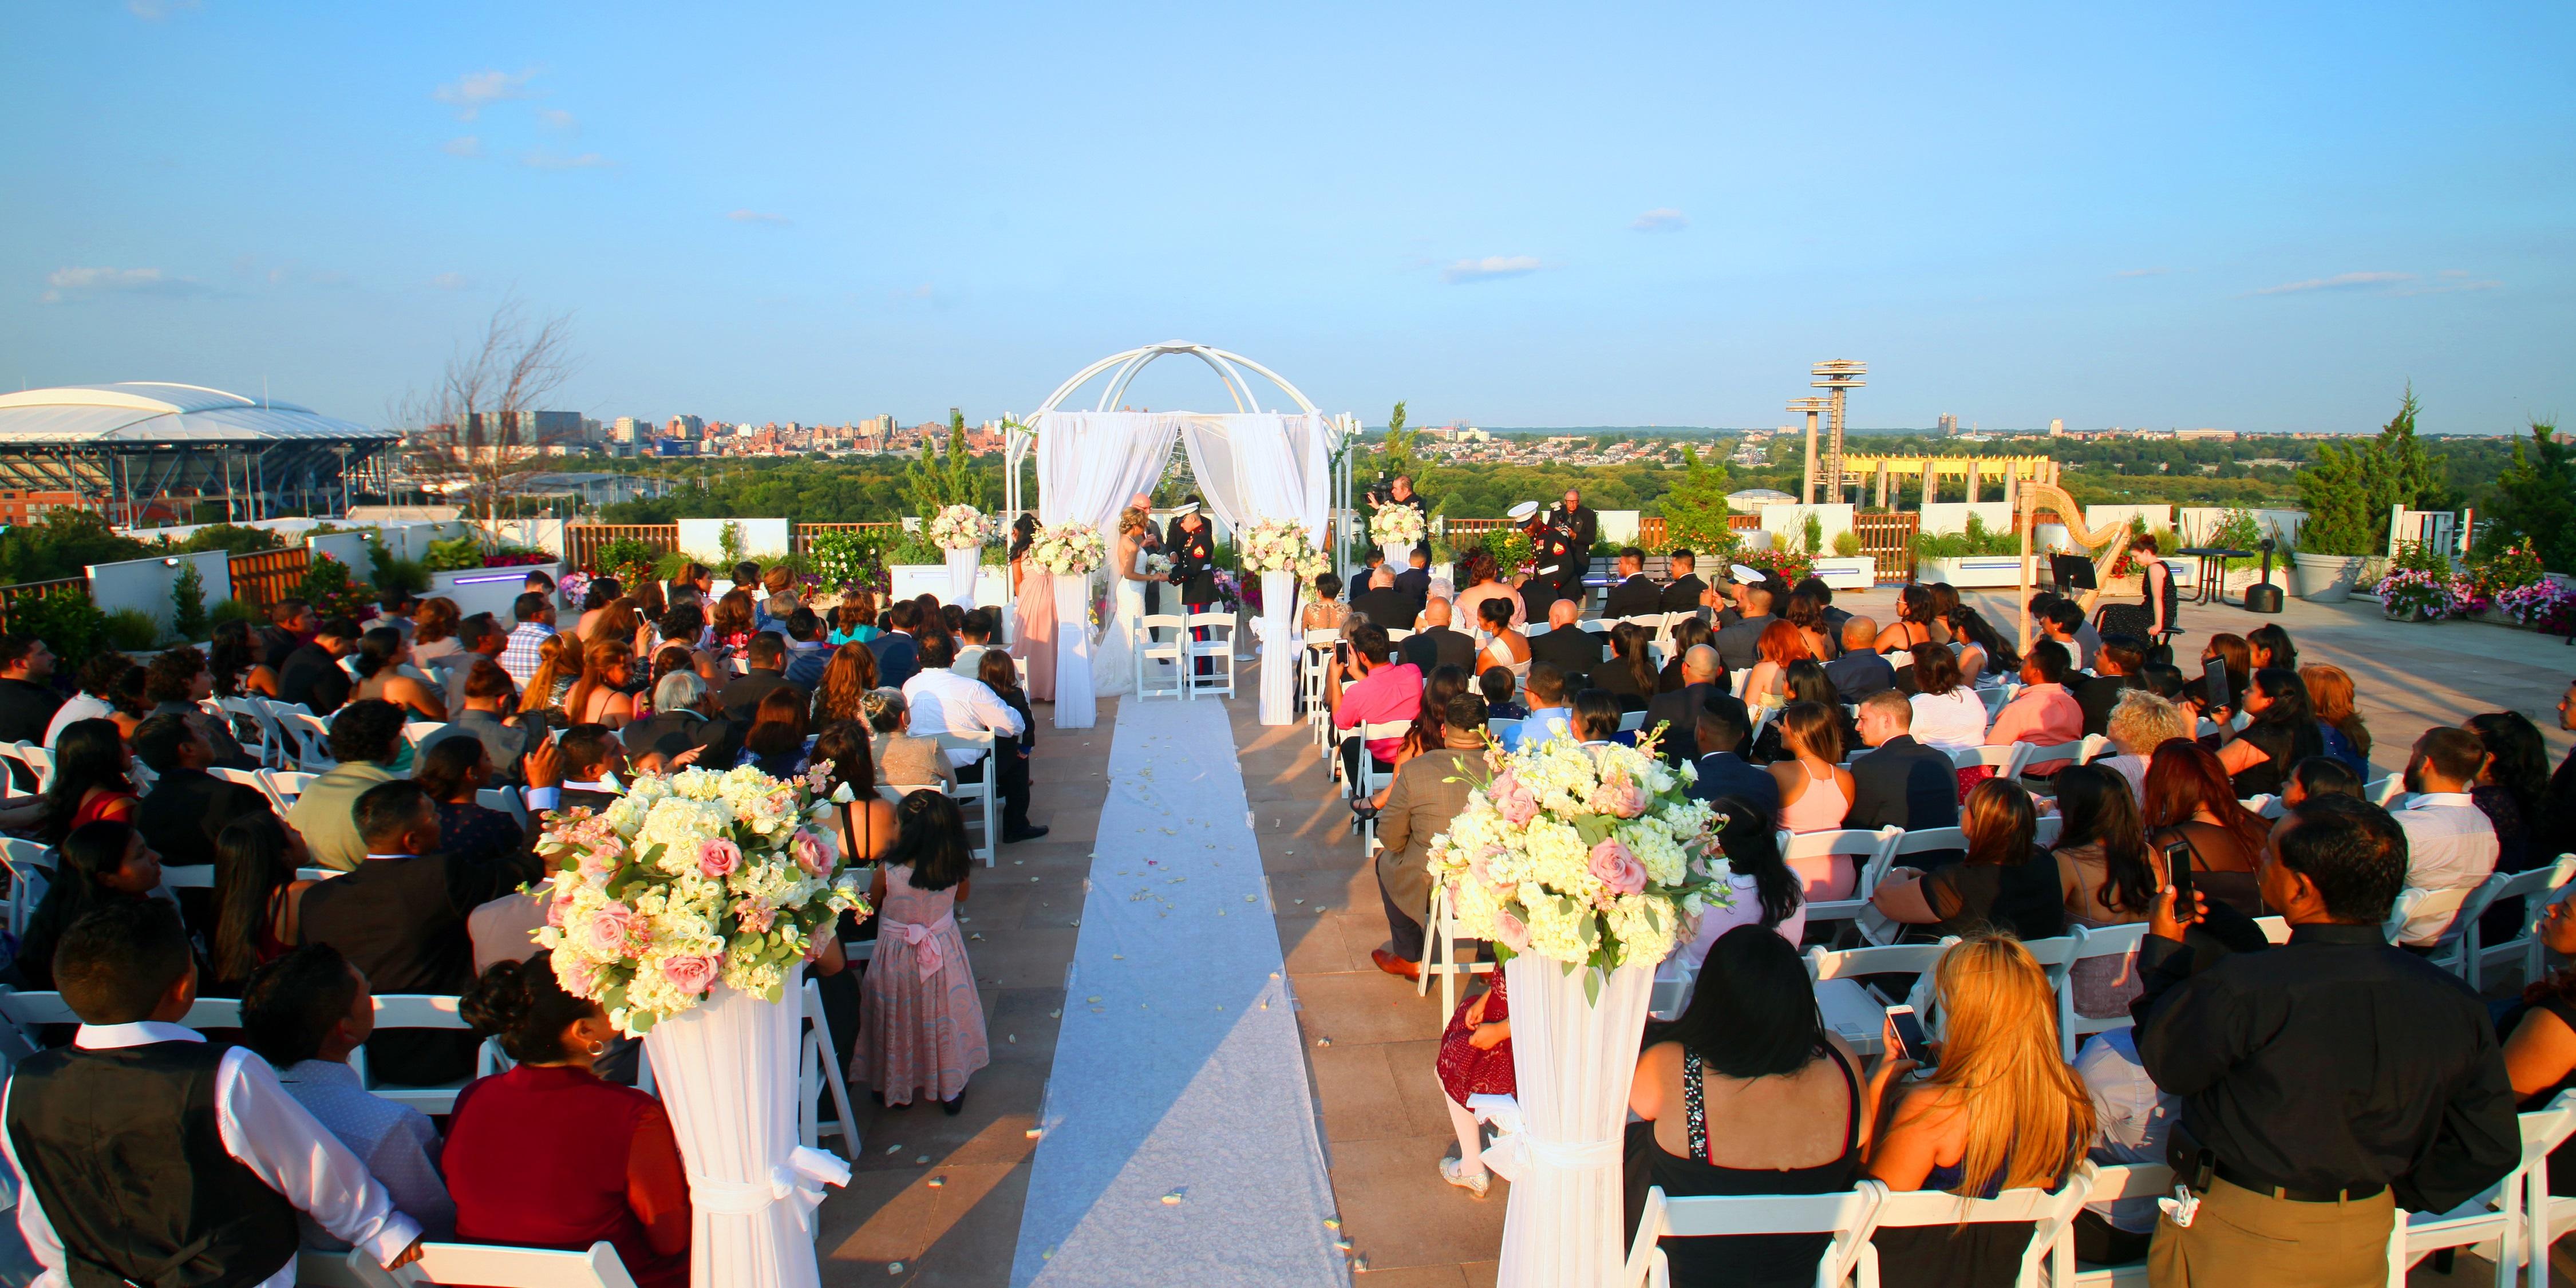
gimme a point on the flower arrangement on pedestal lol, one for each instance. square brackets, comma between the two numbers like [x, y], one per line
[573, 587]
[688, 882]
[1068, 549]
[1397, 524]
[1282, 545]
[960, 527]
[1592, 857]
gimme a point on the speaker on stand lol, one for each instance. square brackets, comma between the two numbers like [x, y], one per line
[2263, 596]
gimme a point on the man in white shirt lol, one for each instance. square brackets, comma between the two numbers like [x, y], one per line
[2450, 845]
[99, 678]
[942, 701]
[121, 1181]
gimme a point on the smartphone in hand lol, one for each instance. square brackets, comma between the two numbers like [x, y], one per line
[1905, 1040]
[2178, 875]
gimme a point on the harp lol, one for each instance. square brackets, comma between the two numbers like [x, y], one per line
[2035, 496]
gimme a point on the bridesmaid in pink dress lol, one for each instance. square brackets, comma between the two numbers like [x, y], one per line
[1033, 634]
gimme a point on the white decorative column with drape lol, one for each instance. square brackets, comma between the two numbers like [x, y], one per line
[962, 567]
[1280, 647]
[727, 1074]
[1075, 705]
[1572, 1061]
[1266, 465]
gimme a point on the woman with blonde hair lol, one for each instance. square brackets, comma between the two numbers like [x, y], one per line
[843, 690]
[558, 665]
[617, 620]
[599, 696]
[2141, 722]
[2003, 1111]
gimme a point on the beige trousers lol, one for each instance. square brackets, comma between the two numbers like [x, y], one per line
[2243, 1238]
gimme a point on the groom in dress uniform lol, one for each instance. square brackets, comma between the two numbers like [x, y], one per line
[1152, 544]
[1192, 546]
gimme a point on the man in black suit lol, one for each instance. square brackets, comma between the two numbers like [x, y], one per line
[1634, 595]
[1415, 581]
[1901, 782]
[187, 806]
[2115, 672]
[1383, 604]
[290, 625]
[1860, 671]
[312, 673]
[1724, 773]
[1678, 711]
[898, 653]
[767, 655]
[1436, 645]
[1573, 530]
[27, 697]
[1572, 649]
[1681, 594]
[1739, 644]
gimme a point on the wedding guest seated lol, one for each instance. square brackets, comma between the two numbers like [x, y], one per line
[2002, 1111]
[2188, 802]
[1765, 891]
[846, 680]
[400, 917]
[98, 864]
[600, 695]
[1435, 644]
[898, 653]
[311, 674]
[1804, 681]
[2005, 882]
[766, 654]
[2540, 1037]
[93, 780]
[1676, 712]
[1475, 1059]
[921, 1022]
[902, 760]
[1370, 687]
[1324, 610]
[257, 896]
[1917, 622]
[2115, 676]
[775, 743]
[944, 702]
[1428, 791]
[2320, 776]
[1860, 671]
[305, 1013]
[366, 739]
[1748, 1093]
[1629, 675]
[1682, 591]
[1497, 687]
[1425, 733]
[2141, 722]
[2281, 733]
[548, 1155]
[485, 714]
[175, 683]
[2450, 845]
[2064, 619]
[1634, 594]
[1507, 650]
[683, 722]
[1383, 603]
[2553, 824]
[1689, 633]
[380, 661]
[2510, 784]
[1815, 790]
[1415, 579]
[1594, 719]
[2330, 699]
[1724, 772]
[1983, 654]
[2043, 713]
[1573, 650]
[1739, 644]
[188, 806]
[2136, 1116]
[1948, 714]
[1550, 711]
[1901, 782]
[452, 772]
[2105, 876]
[150, 1156]
[974, 640]
[1805, 613]
[854, 620]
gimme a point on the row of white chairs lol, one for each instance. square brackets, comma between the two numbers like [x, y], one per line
[1176, 657]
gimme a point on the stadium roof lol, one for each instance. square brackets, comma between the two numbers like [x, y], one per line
[146, 414]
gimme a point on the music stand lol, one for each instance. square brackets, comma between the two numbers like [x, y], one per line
[2069, 573]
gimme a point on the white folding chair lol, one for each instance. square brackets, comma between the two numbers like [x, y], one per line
[16, 751]
[2537, 888]
[1868, 853]
[1217, 649]
[1761, 720]
[414, 1011]
[2089, 944]
[2546, 1215]
[1440, 953]
[1857, 1012]
[284, 785]
[189, 876]
[1877, 927]
[2491, 1223]
[311, 737]
[2265, 805]
[2049, 1215]
[2039, 754]
[2385, 792]
[1370, 778]
[2045, 830]
[31, 869]
[419, 731]
[2403, 909]
[818, 1069]
[2275, 929]
[2112, 1182]
[2453, 949]
[983, 795]
[254, 727]
[40, 762]
[504, 799]
[497, 1267]
[1503, 731]
[1315, 663]
[1151, 650]
[1632, 721]
[2007, 760]
[2449, 905]
[1846, 1216]
[1394, 634]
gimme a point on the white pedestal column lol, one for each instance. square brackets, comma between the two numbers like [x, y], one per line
[961, 575]
[1279, 648]
[1074, 695]
[1399, 556]
[1572, 1059]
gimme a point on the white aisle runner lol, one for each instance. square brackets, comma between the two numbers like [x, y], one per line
[1179, 1139]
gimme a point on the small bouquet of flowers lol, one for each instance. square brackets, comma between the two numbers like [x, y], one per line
[1282, 545]
[1594, 857]
[960, 527]
[1158, 566]
[1229, 588]
[1068, 548]
[1397, 523]
[688, 882]
[573, 587]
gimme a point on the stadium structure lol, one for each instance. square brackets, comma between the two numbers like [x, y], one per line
[141, 453]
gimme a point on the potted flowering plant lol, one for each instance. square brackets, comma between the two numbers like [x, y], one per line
[2542, 605]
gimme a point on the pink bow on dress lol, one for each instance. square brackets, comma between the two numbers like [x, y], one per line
[924, 946]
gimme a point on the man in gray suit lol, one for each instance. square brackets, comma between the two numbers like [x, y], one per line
[1739, 645]
[1428, 791]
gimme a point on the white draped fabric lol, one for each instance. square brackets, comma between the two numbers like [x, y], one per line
[1090, 462]
[1261, 465]
[1572, 1060]
[1280, 648]
[727, 1072]
[1074, 705]
[962, 565]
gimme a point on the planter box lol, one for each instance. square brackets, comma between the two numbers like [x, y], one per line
[1848, 572]
[1970, 570]
[487, 590]
[2324, 579]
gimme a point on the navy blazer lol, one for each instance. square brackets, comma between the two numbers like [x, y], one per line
[1723, 773]
[898, 658]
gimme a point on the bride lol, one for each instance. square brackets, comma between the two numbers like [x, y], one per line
[1113, 666]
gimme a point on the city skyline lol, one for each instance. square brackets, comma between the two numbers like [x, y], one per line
[2267, 222]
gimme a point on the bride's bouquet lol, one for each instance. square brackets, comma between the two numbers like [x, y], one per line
[1068, 548]
[690, 881]
[960, 527]
[1158, 566]
[1594, 857]
[1282, 545]
[1397, 524]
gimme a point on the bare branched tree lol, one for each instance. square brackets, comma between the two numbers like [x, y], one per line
[477, 430]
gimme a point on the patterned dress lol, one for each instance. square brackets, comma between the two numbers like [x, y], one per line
[921, 1025]
[1466, 1071]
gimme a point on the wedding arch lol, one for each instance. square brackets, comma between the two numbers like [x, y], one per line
[1251, 464]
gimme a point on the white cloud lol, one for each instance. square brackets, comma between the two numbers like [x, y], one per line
[544, 160]
[2454, 280]
[758, 217]
[2338, 282]
[463, 145]
[2142, 272]
[471, 93]
[557, 118]
[73, 283]
[1661, 219]
[451, 281]
[1491, 266]
[156, 10]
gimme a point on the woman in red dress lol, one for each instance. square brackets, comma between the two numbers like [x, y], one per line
[1475, 1060]
[548, 1155]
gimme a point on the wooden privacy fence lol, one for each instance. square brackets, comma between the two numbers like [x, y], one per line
[268, 576]
[583, 542]
[1887, 537]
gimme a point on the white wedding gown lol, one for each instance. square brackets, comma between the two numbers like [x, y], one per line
[1113, 664]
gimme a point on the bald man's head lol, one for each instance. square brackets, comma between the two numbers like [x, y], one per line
[1435, 611]
[1859, 632]
[1699, 665]
[1563, 612]
[1382, 579]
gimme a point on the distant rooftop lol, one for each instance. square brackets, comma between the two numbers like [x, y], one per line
[146, 412]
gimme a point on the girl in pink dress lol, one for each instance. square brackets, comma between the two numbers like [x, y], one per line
[1033, 635]
[921, 1025]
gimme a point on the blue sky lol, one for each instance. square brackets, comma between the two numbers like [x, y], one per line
[2260, 217]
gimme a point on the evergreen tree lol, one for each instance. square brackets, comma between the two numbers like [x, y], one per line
[1695, 509]
[2410, 477]
[1397, 454]
[938, 480]
[188, 603]
[2536, 497]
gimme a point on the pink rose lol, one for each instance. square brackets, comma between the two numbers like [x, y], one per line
[810, 854]
[613, 931]
[718, 858]
[755, 915]
[578, 977]
[692, 974]
[599, 861]
[1513, 801]
[1617, 868]
[1619, 798]
[1511, 931]
[557, 908]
